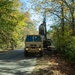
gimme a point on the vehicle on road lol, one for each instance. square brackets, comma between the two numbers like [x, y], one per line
[33, 44]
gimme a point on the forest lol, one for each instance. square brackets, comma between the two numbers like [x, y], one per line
[15, 25]
[62, 31]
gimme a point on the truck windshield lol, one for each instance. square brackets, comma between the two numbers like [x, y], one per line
[29, 39]
[32, 38]
[37, 39]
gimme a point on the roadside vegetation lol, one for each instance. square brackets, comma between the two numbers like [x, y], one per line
[64, 44]
[62, 31]
[14, 24]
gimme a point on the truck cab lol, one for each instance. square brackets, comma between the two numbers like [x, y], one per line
[33, 44]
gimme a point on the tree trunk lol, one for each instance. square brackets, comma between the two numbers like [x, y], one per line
[72, 13]
[62, 17]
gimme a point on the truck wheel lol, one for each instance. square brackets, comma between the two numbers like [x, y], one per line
[41, 54]
[26, 53]
[49, 49]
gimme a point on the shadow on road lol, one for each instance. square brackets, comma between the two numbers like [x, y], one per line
[14, 62]
[56, 65]
[15, 55]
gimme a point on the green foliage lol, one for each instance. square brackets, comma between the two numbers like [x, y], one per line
[10, 18]
[65, 44]
[7, 21]
[22, 28]
[70, 50]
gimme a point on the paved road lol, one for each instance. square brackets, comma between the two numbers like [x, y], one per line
[14, 63]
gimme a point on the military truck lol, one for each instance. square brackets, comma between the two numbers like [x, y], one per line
[33, 44]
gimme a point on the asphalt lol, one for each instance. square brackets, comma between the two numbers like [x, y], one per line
[15, 63]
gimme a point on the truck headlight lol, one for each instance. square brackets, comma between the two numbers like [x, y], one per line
[48, 46]
[39, 49]
[26, 48]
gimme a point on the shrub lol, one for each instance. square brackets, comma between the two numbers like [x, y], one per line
[65, 44]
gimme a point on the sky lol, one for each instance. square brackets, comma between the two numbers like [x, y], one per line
[36, 18]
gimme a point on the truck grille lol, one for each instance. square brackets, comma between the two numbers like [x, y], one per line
[33, 46]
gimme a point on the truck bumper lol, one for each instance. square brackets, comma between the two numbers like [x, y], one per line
[34, 50]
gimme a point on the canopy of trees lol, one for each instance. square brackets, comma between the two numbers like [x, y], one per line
[63, 28]
[14, 25]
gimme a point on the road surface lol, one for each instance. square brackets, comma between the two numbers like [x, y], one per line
[14, 63]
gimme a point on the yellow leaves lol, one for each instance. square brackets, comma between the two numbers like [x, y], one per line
[16, 4]
[15, 34]
[70, 31]
[11, 14]
[38, 8]
[22, 23]
[61, 1]
[48, 9]
[27, 14]
[66, 9]
[27, 17]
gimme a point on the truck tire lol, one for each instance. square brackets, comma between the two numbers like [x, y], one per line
[25, 53]
[41, 53]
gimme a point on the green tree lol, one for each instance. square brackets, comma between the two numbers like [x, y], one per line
[8, 20]
[63, 12]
